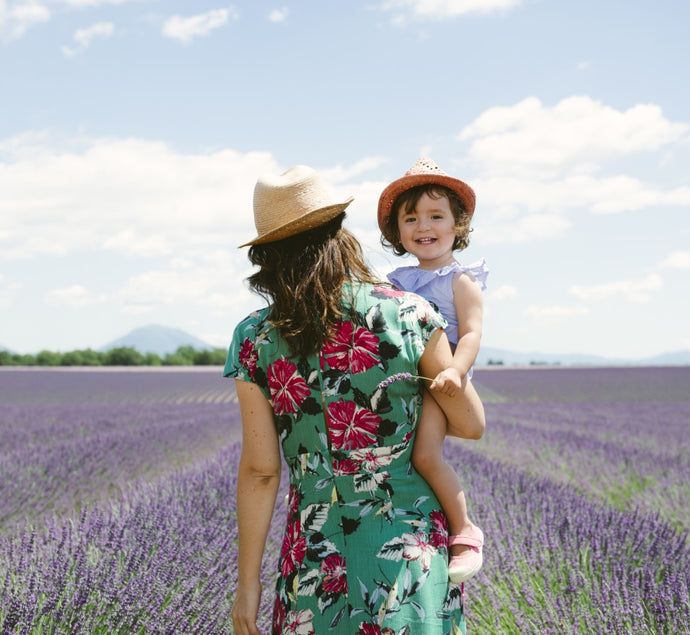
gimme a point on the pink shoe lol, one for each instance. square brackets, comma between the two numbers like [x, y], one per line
[464, 566]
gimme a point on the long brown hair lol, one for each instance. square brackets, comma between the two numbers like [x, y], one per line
[302, 277]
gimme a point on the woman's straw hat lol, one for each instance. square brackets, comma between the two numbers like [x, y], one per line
[291, 203]
[423, 172]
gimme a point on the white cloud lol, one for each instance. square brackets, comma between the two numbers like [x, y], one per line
[75, 297]
[19, 16]
[504, 292]
[211, 280]
[638, 291]
[578, 133]
[278, 15]
[523, 229]
[7, 291]
[509, 196]
[142, 197]
[339, 174]
[554, 312]
[536, 165]
[84, 37]
[441, 9]
[95, 3]
[185, 29]
[127, 195]
[676, 260]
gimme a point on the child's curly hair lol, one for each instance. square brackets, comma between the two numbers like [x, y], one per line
[408, 199]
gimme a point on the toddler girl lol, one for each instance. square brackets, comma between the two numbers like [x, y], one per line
[427, 213]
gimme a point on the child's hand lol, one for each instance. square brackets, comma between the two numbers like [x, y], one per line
[448, 381]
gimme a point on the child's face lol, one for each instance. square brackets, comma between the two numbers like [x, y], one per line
[428, 231]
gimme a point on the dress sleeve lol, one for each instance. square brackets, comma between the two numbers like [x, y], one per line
[424, 317]
[430, 320]
[242, 354]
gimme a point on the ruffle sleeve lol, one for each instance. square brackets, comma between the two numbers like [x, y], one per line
[479, 271]
[413, 278]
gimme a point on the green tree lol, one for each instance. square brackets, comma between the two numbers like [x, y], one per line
[85, 357]
[152, 359]
[123, 356]
[218, 356]
[206, 357]
[48, 358]
[183, 356]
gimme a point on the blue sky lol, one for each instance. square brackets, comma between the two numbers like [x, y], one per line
[133, 131]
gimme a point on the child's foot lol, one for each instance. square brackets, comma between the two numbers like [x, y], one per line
[464, 566]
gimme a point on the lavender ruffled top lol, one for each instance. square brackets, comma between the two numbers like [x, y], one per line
[436, 286]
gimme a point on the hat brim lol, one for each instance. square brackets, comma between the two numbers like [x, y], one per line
[396, 188]
[308, 221]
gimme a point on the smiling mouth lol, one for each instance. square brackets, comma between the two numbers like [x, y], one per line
[425, 241]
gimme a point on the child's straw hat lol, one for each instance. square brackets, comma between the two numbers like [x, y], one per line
[423, 172]
[291, 203]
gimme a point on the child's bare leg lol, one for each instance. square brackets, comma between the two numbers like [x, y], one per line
[427, 457]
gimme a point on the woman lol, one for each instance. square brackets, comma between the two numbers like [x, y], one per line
[329, 371]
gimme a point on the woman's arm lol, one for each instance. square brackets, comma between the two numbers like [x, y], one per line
[463, 408]
[258, 479]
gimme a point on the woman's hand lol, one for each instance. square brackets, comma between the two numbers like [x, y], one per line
[245, 610]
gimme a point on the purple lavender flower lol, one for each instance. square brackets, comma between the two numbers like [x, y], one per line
[128, 480]
[400, 377]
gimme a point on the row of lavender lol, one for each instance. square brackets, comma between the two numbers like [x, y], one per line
[618, 435]
[57, 458]
[160, 557]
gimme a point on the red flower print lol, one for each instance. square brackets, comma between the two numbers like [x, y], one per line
[365, 628]
[299, 623]
[390, 292]
[351, 427]
[294, 549]
[335, 578]
[438, 532]
[279, 613]
[352, 350]
[346, 467]
[248, 356]
[417, 548]
[288, 388]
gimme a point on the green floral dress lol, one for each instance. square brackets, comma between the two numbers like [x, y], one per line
[365, 544]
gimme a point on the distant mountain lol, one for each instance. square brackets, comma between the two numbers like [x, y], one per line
[677, 358]
[488, 355]
[157, 339]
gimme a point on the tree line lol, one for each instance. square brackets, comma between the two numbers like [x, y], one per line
[120, 356]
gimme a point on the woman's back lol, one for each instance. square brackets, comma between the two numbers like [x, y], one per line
[365, 541]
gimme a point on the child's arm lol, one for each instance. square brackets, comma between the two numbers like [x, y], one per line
[468, 300]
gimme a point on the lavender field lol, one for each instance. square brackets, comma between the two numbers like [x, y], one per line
[117, 498]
